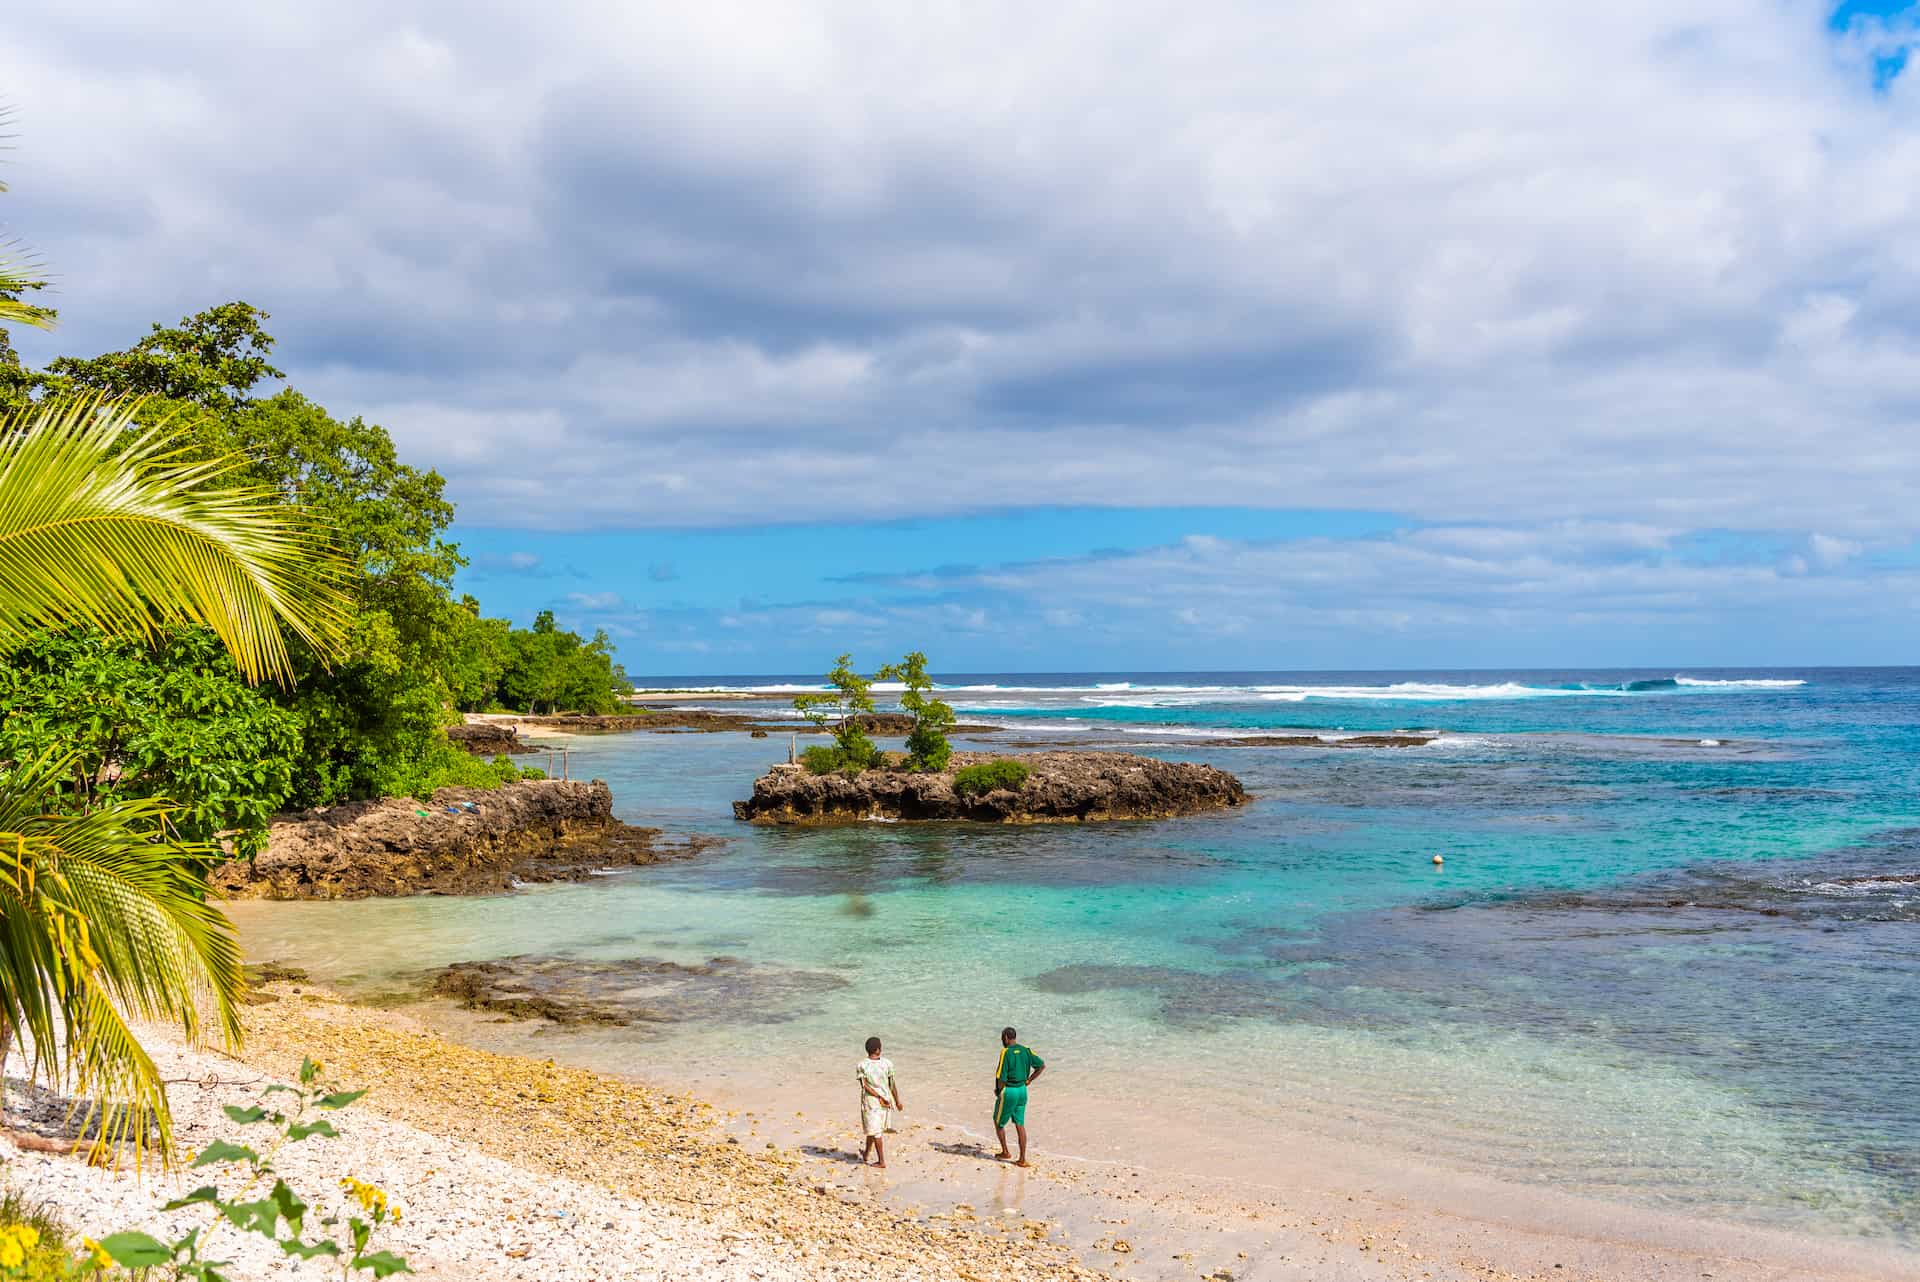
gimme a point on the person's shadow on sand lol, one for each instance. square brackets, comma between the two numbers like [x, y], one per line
[832, 1154]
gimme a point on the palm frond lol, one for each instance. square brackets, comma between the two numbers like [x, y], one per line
[103, 918]
[108, 524]
[19, 271]
[19, 274]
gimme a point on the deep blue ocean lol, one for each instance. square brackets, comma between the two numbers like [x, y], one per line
[1672, 956]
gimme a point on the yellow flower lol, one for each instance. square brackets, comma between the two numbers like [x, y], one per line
[100, 1257]
[12, 1254]
[370, 1198]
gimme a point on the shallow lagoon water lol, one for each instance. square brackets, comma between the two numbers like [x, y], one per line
[1651, 968]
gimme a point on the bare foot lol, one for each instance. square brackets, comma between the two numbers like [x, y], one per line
[881, 1165]
[1003, 1156]
[1021, 1162]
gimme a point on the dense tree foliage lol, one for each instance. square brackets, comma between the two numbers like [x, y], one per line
[175, 721]
[215, 359]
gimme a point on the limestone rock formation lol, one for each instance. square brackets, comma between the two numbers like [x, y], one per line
[1063, 787]
[465, 841]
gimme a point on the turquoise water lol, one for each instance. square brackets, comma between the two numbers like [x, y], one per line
[1668, 959]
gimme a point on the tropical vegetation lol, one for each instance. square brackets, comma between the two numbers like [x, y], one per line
[104, 914]
[214, 603]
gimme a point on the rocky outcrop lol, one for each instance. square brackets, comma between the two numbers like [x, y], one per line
[488, 738]
[466, 841]
[1063, 787]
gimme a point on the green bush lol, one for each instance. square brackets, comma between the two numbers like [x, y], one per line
[826, 759]
[990, 776]
[448, 765]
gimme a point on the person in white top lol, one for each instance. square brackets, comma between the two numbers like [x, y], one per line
[878, 1092]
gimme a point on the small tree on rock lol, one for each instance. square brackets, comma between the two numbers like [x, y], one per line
[836, 711]
[927, 746]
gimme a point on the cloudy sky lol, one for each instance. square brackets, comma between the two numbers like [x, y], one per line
[1069, 336]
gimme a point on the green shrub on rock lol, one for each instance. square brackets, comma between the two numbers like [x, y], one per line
[825, 759]
[990, 776]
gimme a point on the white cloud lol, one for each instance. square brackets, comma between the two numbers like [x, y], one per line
[1831, 553]
[1643, 267]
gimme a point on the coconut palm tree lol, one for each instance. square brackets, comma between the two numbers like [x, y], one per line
[103, 913]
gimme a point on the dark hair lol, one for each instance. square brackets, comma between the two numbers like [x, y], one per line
[873, 1044]
[1007, 1034]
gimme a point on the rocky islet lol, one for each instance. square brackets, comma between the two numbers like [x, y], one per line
[1061, 787]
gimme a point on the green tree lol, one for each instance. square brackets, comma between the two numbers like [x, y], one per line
[927, 746]
[477, 657]
[837, 710]
[374, 712]
[213, 359]
[550, 670]
[103, 909]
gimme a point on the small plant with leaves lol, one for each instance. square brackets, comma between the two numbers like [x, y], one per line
[991, 776]
[927, 746]
[280, 1215]
[838, 710]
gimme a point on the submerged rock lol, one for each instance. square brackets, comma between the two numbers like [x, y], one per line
[1064, 787]
[637, 990]
[466, 841]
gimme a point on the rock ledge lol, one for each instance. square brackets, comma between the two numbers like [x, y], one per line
[1065, 787]
[468, 841]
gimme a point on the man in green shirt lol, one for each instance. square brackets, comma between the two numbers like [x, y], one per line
[1018, 1069]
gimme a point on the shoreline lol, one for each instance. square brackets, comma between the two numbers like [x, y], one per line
[767, 1187]
[511, 1167]
[1316, 1206]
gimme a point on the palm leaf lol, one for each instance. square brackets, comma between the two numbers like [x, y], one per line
[105, 523]
[19, 274]
[103, 917]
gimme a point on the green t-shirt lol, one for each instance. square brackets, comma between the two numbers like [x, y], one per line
[1016, 1065]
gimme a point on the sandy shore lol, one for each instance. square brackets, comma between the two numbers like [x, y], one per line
[514, 1167]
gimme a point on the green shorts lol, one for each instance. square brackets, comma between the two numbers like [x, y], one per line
[1011, 1106]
